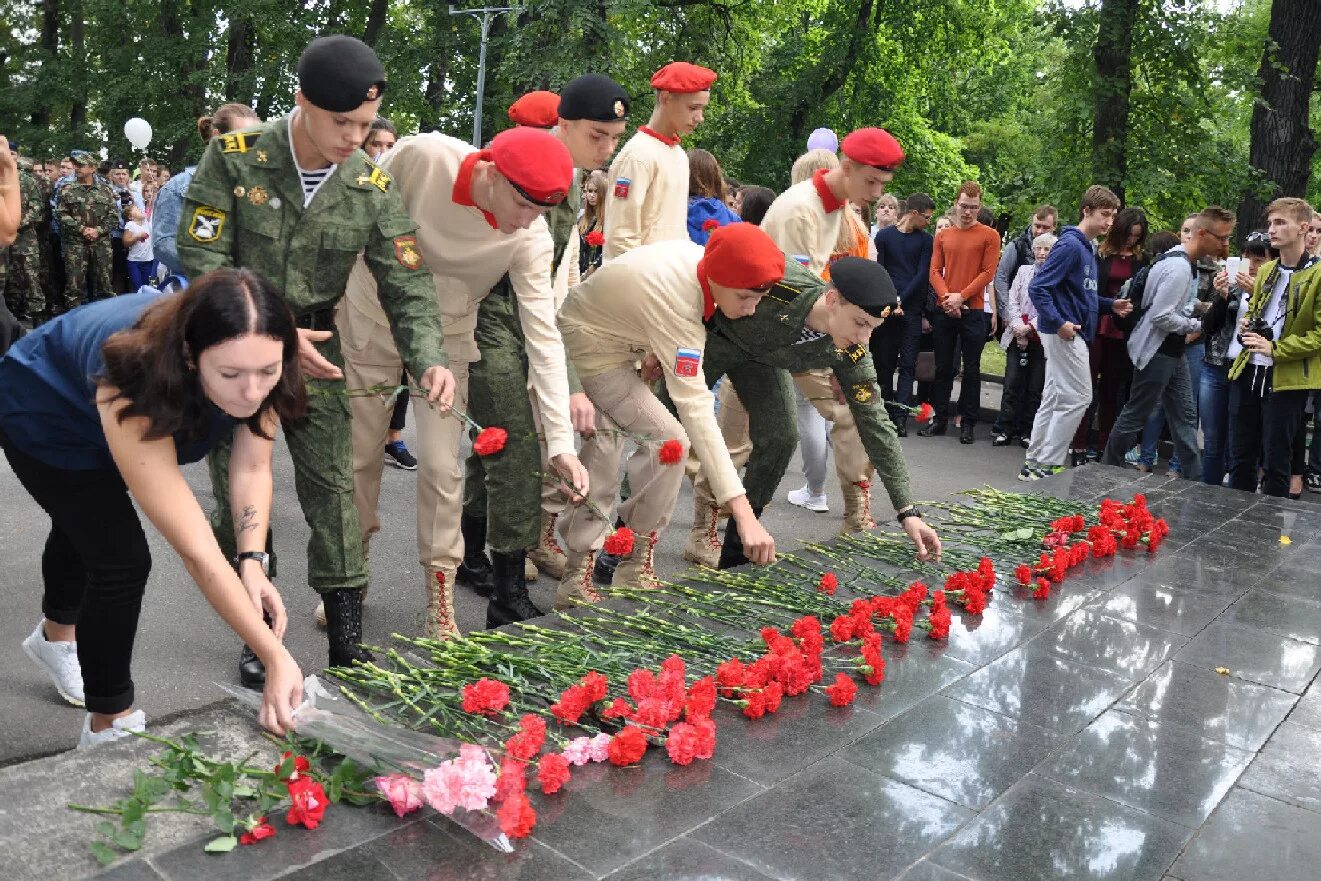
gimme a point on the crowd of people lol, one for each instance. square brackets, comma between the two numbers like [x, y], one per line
[599, 305]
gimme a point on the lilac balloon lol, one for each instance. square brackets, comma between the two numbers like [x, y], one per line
[823, 139]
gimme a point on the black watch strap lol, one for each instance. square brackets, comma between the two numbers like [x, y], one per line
[260, 556]
[904, 515]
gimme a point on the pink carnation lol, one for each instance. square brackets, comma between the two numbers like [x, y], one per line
[600, 745]
[579, 750]
[403, 792]
[467, 782]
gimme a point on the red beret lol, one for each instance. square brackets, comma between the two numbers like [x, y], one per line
[875, 147]
[680, 76]
[537, 109]
[742, 255]
[535, 162]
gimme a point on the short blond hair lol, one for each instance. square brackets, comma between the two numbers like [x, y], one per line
[1292, 207]
[888, 201]
[811, 162]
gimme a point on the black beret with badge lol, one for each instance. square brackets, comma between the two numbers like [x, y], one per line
[340, 73]
[865, 284]
[595, 97]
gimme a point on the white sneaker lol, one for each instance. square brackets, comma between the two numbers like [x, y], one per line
[120, 728]
[59, 661]
[803, 498]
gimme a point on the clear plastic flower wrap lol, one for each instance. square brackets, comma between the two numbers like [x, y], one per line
[457, 779]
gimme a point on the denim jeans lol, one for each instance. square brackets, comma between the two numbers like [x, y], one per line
[1213, 408]
[1194, 355]
[1165, 381]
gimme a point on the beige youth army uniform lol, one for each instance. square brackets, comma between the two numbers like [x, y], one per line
[648, 197]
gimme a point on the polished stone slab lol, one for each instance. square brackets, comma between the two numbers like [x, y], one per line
[1164, 771]
[913, 672]
[1187, 570]
[1241, 714]
[1104, 643]
[1299, 578]
[1042, 831]
[929, 871]
[1250, 654]
[962, 753]
[687, 860]
[1287, 768]
[1174, 609]
[1271, 612]
[1005, 625]
[837, 821]
[1255, 837]
[1308, 710]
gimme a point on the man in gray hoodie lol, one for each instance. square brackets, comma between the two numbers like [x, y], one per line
[1158, 342]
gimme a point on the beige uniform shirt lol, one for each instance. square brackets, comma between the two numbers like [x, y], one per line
[467, 256]
[647, 200]
[799, 224]
[649, 300]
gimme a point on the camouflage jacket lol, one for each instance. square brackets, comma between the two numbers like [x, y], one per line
[82, 205]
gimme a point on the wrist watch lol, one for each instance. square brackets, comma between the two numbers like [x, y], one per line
[910, 512]
[260, 556]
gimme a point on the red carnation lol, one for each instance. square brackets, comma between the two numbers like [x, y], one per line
[710, 225]
[618, 709]
[512, 778]
[701, 698]
[940, 621]
[552, 772]
[730, 676]
[828, 583]
[490, 441]
[258, 832]
[925, 413]
[620, 542]
[843, 691]
[706, 737]
[572, 704]
[1042, 591]
[628, 746]
[516, 815]
[682, 743]
[596, 686]
[594, 239]
[841, 629]
[1023, 573]
[670, 453]
[485, 696]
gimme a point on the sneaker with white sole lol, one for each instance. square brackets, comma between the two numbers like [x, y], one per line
[59, 661]
[803, 498]
[119, 729]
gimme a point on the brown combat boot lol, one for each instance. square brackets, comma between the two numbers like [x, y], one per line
[548, 556]
[576, 587]
[439, 623]
[704, 540]
[857, 508]
[638, 570]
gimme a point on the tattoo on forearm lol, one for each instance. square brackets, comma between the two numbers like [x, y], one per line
[248, 519]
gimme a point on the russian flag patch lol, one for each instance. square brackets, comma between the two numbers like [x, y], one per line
[622, 185]
[687, 362]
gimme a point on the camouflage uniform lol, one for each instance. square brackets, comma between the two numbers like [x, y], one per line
[23, 290]
[506, 489]
[245, 208]
[85, 262]
[46, 243]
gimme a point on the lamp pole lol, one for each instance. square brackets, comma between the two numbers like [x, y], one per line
[484, 14]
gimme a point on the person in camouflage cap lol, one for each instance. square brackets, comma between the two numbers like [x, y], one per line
[23, 290]
[88, 215]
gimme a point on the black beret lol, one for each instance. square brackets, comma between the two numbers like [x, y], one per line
[340, 73]
[865, 284]
[118, 165]
[593, 96]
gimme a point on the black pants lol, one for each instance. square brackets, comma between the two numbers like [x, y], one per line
[894, 348]
[968, 333]
[1021, 397]
[1265, 431]
[400, 415]
[94, 567]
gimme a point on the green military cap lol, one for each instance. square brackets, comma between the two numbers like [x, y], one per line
[865, 284]
[82, 157]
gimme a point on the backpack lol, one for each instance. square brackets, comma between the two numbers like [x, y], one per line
[1135, 290]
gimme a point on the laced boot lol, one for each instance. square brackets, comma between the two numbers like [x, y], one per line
[576, 587]
[530, 570]
[320, 614]
[857, 508]
[344, 627]
[510, 602]
[439, 623]
[475, 572]
[639, 568]
[548, 556]
[704, 540]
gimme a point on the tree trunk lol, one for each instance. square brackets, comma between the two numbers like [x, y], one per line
[375, 21]
[1114, 82]
[50, 48]
[239, 55]
[191, 89]
[1282, 141]
[78, 93]
[834, 69]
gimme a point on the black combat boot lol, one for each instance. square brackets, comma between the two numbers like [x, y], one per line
[344, 628]
[252, 672]
[475, 571]
[510, 602]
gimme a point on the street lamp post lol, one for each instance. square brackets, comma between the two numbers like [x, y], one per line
[484, 14]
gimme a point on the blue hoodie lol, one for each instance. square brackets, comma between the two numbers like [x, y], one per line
[1064, 287]
[702, 210]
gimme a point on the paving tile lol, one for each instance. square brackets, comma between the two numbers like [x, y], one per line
[1221, 552]
[1106, 643]
[805, 729]
[1297, 578]
[1286, 767]
[913, 672]
[1249, 654]
[441, 849]
[962, 753]
[686, 860]
[1276, 613]
[1189, 571]
[1105, 574]
[837, 821]
[1252, 836]
[606, 817]
[133, 870]
[980, 639]
[1051, 692]
[1167, 608]
[1165, 771]
[1308, 710]
[1241, 714]
[929, 871]
[1297, 524]
[1042, 831]
[1214, 495]
[352, 865]
[1065, 599]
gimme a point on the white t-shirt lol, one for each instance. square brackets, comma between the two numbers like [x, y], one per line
[140, 251]
[1274, 313]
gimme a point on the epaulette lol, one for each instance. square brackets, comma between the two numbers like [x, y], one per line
[783, 293]
[239, 142]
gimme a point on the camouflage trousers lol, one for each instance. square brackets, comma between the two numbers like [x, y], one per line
[322, 451]
[86, 265]
[505, 488]
[23, 289]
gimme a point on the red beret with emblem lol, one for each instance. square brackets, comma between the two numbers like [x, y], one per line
[537, 109]
[742, 255]
[682, 77]
[875, 147]
[536, 162]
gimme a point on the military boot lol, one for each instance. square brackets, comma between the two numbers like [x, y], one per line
[510, 602]
[344, 628]
[530, 571]
[475, 572]
[638, 569]
[576, 587]
[439, 623]
[857, 508]
[548, 556]
[320, 613]
[704, 540]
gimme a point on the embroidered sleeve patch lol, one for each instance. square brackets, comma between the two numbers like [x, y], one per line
[687, 362]
[406, 252]
[622, 186]
[206, 224]
[863, 392]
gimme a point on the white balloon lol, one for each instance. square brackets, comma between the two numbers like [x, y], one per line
[138, 132]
